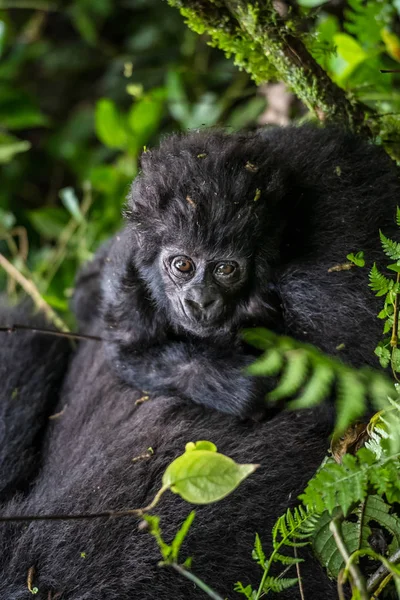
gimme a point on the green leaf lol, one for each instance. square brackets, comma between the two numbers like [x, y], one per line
[180, 536]
[317, 388]
[144, 118]
[278, 584]
[394, 267]
[246, 591]
[383, 354]
[258, 337]
[350, 51]
[398, 216]
[269, 363]
[390, 248]
[310, 3]
[324, 545]
[49, 221]
[351, 399]
[110, 125]
[336, 485]
[378, 282]
[71, 203]
[258, 552]
[177, 99]
[7, 219]
[10, 146]
[357, 259]
[203, 477]
[200, 445]
[155, 530]
[294, 375]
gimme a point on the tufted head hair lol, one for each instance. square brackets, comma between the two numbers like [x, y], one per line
[209, 189]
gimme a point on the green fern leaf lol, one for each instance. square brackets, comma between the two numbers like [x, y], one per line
[294, 374]
[351, 398]
[278, 584]
[390, 248]
[317, 388]
[398, 216]
[246, 591]
[258, 552]
[336, 485]
[287, 560]
[378, 282]
[269, 364]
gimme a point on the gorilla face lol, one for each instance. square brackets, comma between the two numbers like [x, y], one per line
[203, 290]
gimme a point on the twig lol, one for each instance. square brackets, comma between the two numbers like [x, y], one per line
[300, 582]
[105, 514]
[380, 574]
[203, 586]
[68, 232]
[32, 291]
[358, 579]
[64, 334]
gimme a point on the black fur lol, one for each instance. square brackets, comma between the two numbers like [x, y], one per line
[322, 194]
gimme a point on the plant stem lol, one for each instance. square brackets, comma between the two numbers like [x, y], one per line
[380, 574]
[335, 527]
[31, 289]
[203, 586]
[105, 514]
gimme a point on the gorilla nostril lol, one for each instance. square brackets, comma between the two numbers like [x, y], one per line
[198, 307]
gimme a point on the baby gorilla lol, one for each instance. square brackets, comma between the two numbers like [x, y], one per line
[223, 232]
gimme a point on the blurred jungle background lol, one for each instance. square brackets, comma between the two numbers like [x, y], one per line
[86, 85]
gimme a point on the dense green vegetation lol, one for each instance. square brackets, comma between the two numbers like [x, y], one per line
[85, 86]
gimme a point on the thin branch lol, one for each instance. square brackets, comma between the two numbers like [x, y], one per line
[64, 334]
[252, 31]
[105, 514]
[335, 527]
[203, 586]
[300, 581]
[380, 574]
[32, 291]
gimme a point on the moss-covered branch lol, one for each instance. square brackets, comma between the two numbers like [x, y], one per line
[263, 44]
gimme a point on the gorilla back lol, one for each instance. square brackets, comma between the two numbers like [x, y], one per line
[222, 232]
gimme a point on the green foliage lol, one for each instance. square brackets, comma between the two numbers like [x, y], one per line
[201, 475]
[305, 372]
[387, 349]
[357, 259]
[83, 90]
[292, 530]
[169, 552]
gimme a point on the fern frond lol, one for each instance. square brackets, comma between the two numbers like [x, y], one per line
[258, 552]
[292, 525]
[398, 216]
[336, 485]
[269, 364]
[294, 374]
[278, 584]
[378, 282]
[350, 401]
[317, 387]
[390, 248]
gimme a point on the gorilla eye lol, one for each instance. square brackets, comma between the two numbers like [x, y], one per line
[225, 269]
[183, 265]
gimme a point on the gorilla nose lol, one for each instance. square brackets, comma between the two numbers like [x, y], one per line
[203, 306]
